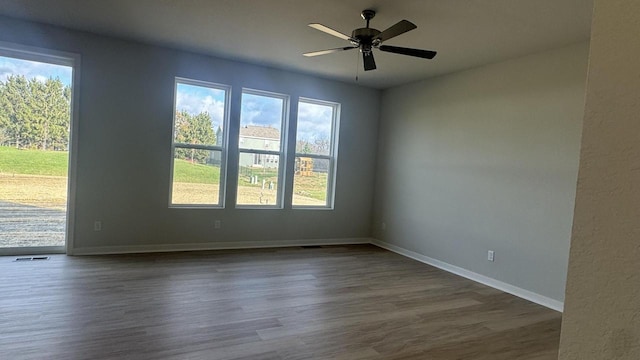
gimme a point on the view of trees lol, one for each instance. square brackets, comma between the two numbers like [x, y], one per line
[317, 146]
[194, 130]
[34, 114]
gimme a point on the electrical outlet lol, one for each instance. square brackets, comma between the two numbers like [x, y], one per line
[217, 224]
[97, 225]
[491, 255]
[383, 226]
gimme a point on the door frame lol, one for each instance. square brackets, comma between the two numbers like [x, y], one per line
[56, 57]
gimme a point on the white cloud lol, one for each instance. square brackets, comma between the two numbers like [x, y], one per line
[194, 102]
[314, 121]
[33, 69]
[261, 110]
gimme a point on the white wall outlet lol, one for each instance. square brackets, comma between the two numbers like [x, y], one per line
[97, 225]
[491, 255]
[383, 226]
[217, 224]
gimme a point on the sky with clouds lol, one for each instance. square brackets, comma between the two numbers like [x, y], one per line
[34, 69]
[260, 110]
[196, 99]
[314, 121]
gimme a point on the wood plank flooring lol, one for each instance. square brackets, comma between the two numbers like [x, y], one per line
[339, 302]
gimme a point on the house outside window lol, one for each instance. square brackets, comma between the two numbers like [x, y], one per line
[263, 119]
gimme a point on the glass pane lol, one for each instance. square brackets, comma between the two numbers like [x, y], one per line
[260, 122]
[258, 179]
[313, 135]
[196, 177]
[35, 108]
[199, 117]
[311, 182]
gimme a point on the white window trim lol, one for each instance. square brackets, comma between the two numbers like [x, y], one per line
[332, 157]
[284, 130]
[223, 148]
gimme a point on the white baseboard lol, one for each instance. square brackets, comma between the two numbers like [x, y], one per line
[227, 245]
[496, 284]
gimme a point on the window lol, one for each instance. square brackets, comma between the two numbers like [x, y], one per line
[261, 149]
[199, 138]
[199, 148]
[315, 162]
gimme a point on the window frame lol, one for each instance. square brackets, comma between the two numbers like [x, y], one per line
[223, 148]
[332, 156]
[281, 153]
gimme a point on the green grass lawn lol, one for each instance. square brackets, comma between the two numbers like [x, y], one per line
[33, 162]
[55, 163]
[185, 171]
[314, 186]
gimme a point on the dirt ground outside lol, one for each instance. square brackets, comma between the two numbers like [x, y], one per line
[48, 192]
[32, 210]
[191, 193]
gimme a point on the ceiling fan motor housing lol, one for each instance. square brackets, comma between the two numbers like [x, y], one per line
[364, 37]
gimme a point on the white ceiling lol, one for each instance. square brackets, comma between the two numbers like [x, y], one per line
[466, 33]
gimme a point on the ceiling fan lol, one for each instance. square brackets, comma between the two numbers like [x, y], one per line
[366, 39]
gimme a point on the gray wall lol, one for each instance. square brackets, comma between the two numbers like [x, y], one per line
[486, 159]
[124, 138]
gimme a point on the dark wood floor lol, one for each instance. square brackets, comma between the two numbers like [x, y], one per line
[343, 302]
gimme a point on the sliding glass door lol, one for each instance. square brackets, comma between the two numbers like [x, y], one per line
[36, 96]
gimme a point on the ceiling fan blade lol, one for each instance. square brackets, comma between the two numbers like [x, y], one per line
[369, 62]
[426, 54]
[399, 28]
[330, 31]
[328, 51]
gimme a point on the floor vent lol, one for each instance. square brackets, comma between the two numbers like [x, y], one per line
[311, 247]
[32, 258]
